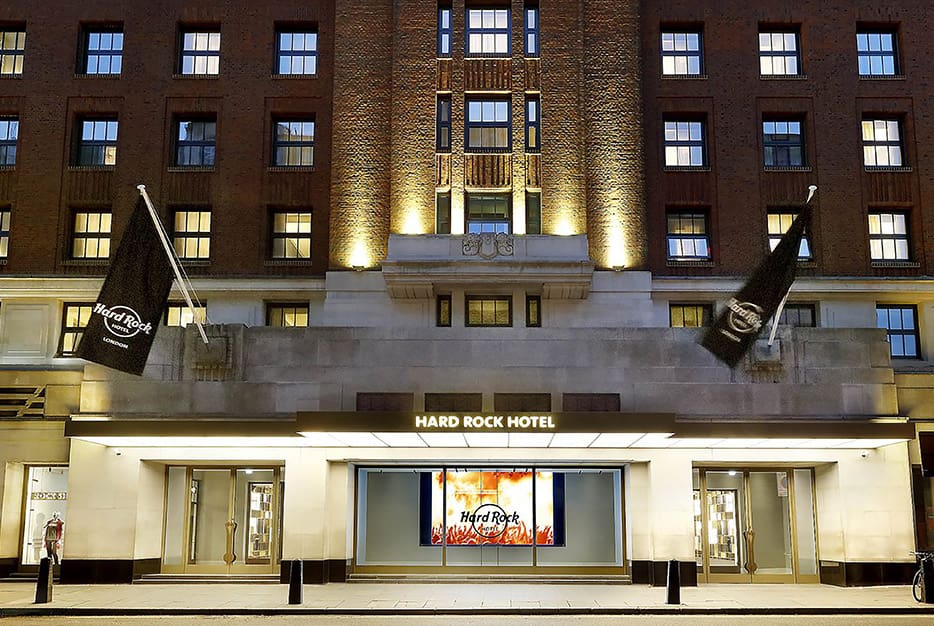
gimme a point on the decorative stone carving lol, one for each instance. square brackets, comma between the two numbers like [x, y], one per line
[488, 245]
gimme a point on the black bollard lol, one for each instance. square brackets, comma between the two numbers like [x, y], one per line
[44, 583]
[674, 582]
[927, 567]
[295, 582]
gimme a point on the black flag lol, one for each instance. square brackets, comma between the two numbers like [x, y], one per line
[738, 326]
[126, 315]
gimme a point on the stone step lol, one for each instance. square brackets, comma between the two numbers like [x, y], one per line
[554, 579]
[207, 579]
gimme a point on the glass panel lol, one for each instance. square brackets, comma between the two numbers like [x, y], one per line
[44, 523]
[770, 519]
[804, 522]
[698, 519]
[172, 548]
[208, 514]
[253, 508]
[726, 496]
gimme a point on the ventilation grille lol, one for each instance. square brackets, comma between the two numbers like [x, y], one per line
[22, 402]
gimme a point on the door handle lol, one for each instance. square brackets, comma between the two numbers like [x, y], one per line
[750, 537]
[230, 556]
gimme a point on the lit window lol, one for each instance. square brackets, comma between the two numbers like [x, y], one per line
[783, 143]
[685, 144]
[533, 311]
[291, 235]
[488, 32]
[444, 32]
[195, 143]
[201, 53]
[91, 235]
[192, 237]
[488, 213]
[443, 310]
[532, 37]
[779, 223]
[4, 233]
[97, 144]
[888, 236]
[9, 134]
[681, 54]
[533, 124]
[900, 323]
[294, 143]
[800, 315]
[75, 318]
[687, 236]
[489, 311]
[689, 315]
[443, 124]
[882, 145]
[178, 314]
[287, 315]
[877, 53]
[779, 54]
[103, 51]
[12, 51]
[488, 126]
[297, 53]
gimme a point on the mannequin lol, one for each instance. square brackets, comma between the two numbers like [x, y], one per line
[53, 536]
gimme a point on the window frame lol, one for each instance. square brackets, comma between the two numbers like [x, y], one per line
[285, 235]
[282, 307]
[869, 54]
[783, 146]
[295, 29]
[196, 54]
[468, 221]
[182, 236]
[798, 307]
[9, 146]
[678, 144]
[443, 127]
[533, 124]
[482, 31]
[468, 298]
[871, 146]
[774, 237]
[704, 308]
[301, 144]
[442, 51]
[483, 124]
[693, 215]
[687, 53]
[76, 331]
[533, 300]
[893, 237]
[99, 236]
[18, 53]
[772, 54]
[443, 300]
[6, 216]
[91, 146]
[532, 40]
[89, 30]
[200, 144]
[443, 213]
[533, 219]
[901, 332]
[201, 308]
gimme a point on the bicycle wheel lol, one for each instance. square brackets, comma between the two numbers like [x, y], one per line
[917, 586]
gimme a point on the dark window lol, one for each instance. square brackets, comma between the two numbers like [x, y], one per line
[12, 51]
[97, 143]
[685, 143]
[200, 53]
[75, 318]
[488, 32]
[488, 213]
[779, 223]
[192, 236]
[882, 143]
[90, 237]
[779, 53]
[195, 143]
[574, 402]
[4, 232]
[443, 311]
[444, 32]
[443, 213]
[9, 134]
[901, 325]
[178, 314]
[783, 143]
[503, 402]
[488, 127]
[385, 401]
[888, 236]
[532, 38]
[296, 52]
[687, 236]
[103, 50]
[293, 143]
[287, 314]
[443, 124]
[291, 235]
[794, 314]
[533, 124]
[533, 213]
[682, 53]
[533, 311]
[453, 402]
[877, 52]
[488, 310]
[689, 315]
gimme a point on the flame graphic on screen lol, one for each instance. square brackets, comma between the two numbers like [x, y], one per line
[512, 491]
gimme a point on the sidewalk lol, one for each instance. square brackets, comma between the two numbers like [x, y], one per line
[466, 599]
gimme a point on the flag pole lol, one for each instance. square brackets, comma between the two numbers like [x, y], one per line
[812, 189]
[172, 260]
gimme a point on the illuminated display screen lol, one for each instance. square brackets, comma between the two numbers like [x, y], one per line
[492, 507]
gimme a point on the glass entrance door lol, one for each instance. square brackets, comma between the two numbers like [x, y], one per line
[222, 520]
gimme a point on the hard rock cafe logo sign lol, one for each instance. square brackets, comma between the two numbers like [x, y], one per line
[744, 317]
[489, 520]
[122, 322]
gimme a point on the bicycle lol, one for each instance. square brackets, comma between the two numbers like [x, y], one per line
[918, 582]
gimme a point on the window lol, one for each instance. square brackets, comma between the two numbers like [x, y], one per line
[443, 213]
[488, 310]
[532, 38]
[882, 145]
[801, 315]
[783, 143]
[291, 235]
[192, 237]
[488, 32]
[575, 402]
[75, 318]
[103, 51]
[778, 53]
[443, 310]
[195, 145]
[533, 213]
[12, 50]
[454, 402]
[97, 144]
[687, 236]
[689, 315]
[385, 401]
[200, 53]
[488, 213]
[681, 53]
[444, 32]
[293, 144]
[685, 144]
[4, 232]
[533, 311]
[178, 314]
[488, 126]
[888, 236]
[533, 124]
[296, 53]
[779, 223]
[9, 134]
[287, 315]
[91, 236]
[520, 402]
[877, 53]
[443, 124]
[900, 323]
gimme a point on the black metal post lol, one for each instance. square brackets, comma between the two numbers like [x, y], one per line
[927, 570]
[44, 583]
[674, 582]
[296, 573]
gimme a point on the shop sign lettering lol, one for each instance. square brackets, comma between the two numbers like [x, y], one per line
[489, 422]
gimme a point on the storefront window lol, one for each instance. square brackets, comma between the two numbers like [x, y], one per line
[45, 515]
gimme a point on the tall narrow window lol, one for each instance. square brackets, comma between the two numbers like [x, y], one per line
[533, 311]
[443, 124]
[532, 39]
[296, 52]
[192, 236]
[443, 310]
[488, 213]
[533, 213]
[685, 143]
[882, 143]
[97, 144]
[75, 318]
[901, 324]
[488, 310]
[91, 235]
[12, 51]
[444, 32]
[488, 32]
[293, 144]
[779, 223]
[888, 236]
[687, 236]
[783, 143]
[9, 134]
[533, 124]
[443, 213]
[291, 235]
[287, 315]
[488, 126]
[200, 53]
[103, 50]
[779, 53]
[877, 52]
[4, 232]
[681, 53]
[195, 143]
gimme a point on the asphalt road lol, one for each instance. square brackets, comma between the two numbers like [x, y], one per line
[659, 620]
